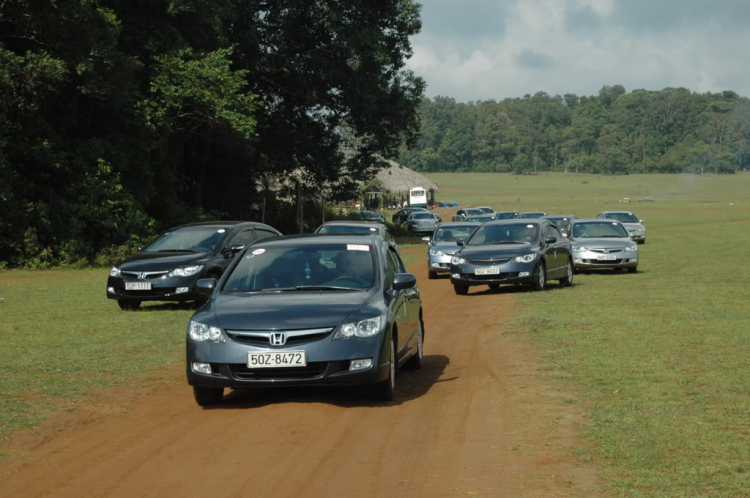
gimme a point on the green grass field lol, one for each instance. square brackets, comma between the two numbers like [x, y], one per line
[661, 358]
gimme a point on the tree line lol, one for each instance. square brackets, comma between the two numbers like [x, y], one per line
[119, 118]
[615, 132]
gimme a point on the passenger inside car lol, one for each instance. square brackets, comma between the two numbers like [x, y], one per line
[355, 266]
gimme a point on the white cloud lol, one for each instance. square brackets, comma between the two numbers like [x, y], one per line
[576, 46]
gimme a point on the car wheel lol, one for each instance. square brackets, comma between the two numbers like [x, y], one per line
[128, 305]
[385, 390]
[633, 270]
[207, 396]
[431, 275]
[540, 277]
[642, 241]
[567, 280]
[416, 361]
[461, 290]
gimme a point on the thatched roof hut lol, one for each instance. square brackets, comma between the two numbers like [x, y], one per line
[397, 180]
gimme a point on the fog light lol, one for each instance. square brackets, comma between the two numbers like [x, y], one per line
[182, 290]
[523, 274]
[360, 364]
[435, 264]
[578, 260]
[455, 275]
[202, 368]
[111, 290]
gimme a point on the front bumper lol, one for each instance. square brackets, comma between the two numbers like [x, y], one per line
[508, 273]
[439, 264]
[637, 235]
[162, 289]
[590, 259]
[328, 363]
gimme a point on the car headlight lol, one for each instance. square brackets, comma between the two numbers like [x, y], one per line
[200, 332]
[364, 328]
[455, 260]
[580, 249]
[526, 258]
[631, 248]
[187, 271]
[114, 272]
[435, 252]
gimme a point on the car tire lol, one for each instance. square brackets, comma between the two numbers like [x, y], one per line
[633, 270]
[417, 360]
[461, 290]
[431, 275]
[567, 280]
[540, 277]
[128, 305]
[642, 241]
[386, 390]
[207, 396]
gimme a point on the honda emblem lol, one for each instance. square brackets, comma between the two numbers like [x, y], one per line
[142, 275]
[277, 339]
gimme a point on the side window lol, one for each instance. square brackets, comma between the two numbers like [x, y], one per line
[400, 268]
[390, 269]
[242, 238]
[555, 232]
[264, 234]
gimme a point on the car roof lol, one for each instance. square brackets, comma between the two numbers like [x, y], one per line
[613, 212]
[362, 223]
[598, 220]
[550, 216]
[320, 239]
[514, 222]
[458, 223]
[501, 212]
[223, 224]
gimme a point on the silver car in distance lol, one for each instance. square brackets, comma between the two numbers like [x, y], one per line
[444, 244]
[600, 243]
[632, 224]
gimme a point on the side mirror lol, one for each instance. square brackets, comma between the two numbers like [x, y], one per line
[550, 240]
[642, 221]
[235, 249]
[206, 286]
[404, 281]
[460, 242]
[425, 239]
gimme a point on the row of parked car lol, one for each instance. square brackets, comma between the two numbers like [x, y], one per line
[530, 248]
[334, 307]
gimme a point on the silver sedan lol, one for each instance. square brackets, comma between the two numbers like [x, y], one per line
[600, 243]
[443, 245]
[631, 222]
[422, 222]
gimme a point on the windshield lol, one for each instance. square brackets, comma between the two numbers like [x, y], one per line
[474, 212]
[520, 233]
[532, 215]
[487, 210]
[560, 222]
[599, 229]
[346, 229]
[188, 239]
[478, 219]
[422, 216]
[417, 193]
[371, 214]
[453, 233]
[285, 268]
[623, 217]
[506, 216]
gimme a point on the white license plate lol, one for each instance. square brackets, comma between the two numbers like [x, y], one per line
[273, 359]
[137, 285]
[606, 257]
[487, 271]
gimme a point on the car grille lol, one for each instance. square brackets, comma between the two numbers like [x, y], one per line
[147, 275]
[265, 341]
[497, 276]
[606, 251]
[610, 262]
[311, 371]
[154, 291]
[480, 262]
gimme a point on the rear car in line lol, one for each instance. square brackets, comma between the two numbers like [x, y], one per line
[561, 221]
[355, 319]
[422, 222]
[358, 228]
[444, 244]
[168, 267]
[521, 252]
[632, 224]
[531, 214]
[506, 215]
[461, 214]
[600, 243]
[400, 216]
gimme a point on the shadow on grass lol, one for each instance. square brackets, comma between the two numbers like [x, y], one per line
[409, 385]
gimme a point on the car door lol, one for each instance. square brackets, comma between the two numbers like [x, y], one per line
[413, 303]
[556, 255]
[397, 299]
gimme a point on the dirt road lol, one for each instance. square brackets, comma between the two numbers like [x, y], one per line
[479, 419]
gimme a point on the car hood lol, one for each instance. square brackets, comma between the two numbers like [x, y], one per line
[632, 226]
[495, 252]
[157, 261]
[287, 310]
[605, 243]
[446, 247]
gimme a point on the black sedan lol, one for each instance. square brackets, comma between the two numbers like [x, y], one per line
[357, 228]
[167, 268]
[527, 252]
[307, 310]
[399, 217]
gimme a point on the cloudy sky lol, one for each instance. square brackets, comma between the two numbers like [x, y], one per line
[492, 49]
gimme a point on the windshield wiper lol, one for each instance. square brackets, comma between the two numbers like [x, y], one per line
[311, 287]
[175, 250]
[512, 242]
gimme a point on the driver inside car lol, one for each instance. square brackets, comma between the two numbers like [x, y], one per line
[355, 265]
